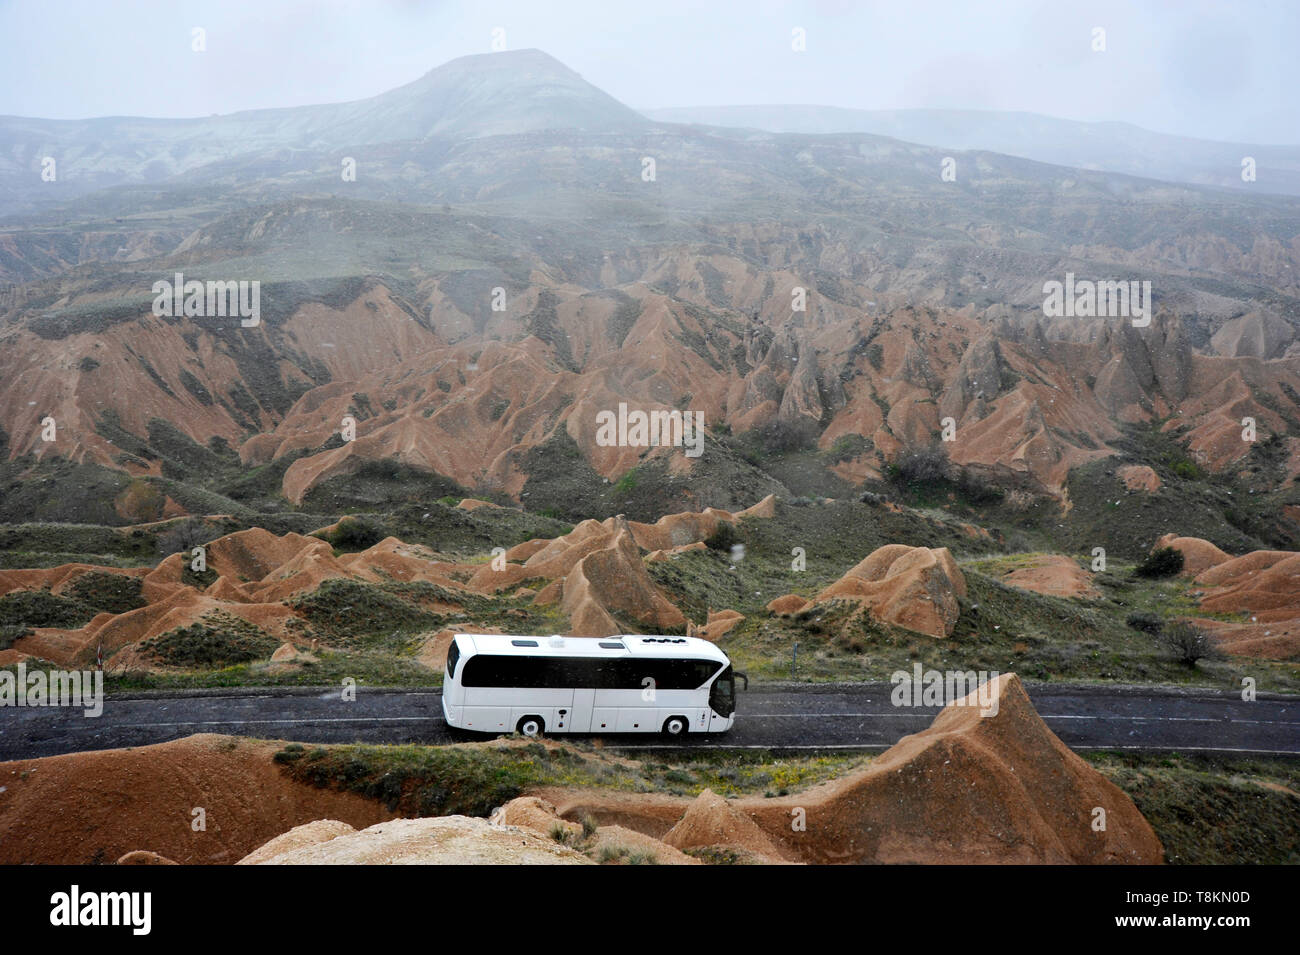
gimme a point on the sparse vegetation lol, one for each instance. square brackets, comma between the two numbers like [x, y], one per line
[1188, 642]
[723, 538]
[1146, 622]
[927, 464]
[354, 613]
[103, 592]
[1211, 809]
[626, 484]
[783, 436]
[184, 536]
[141, 501]
[847, 447]
[216, 640]
[473, 780]
[1205, 809]
[40, 608]
[354, 534]
[1161, 562]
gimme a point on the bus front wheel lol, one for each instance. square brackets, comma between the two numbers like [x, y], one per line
[530, 726]
[675, 726]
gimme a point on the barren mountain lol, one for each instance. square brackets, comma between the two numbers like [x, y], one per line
[1113, 147]
[519, 256]
[489, 95]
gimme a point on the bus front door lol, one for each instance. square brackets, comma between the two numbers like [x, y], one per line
[583, 703]
[722, 701]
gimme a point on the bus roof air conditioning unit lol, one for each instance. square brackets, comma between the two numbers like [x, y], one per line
[556, 640]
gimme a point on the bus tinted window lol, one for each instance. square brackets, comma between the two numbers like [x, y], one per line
[722, 697]
[588, 672]
[453, 654]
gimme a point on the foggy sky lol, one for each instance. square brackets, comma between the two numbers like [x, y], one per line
[1214, 70]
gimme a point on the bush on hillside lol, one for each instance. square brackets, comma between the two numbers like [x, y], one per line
[1189, 643]
[723, 538]
[1161, 562]
[356, 533]
[184, 537]
[923, 465]
[1145, 622]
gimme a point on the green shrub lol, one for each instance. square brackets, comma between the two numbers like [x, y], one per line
[9, 632]
[1189, 642]
[356, 533]
[184, 536]
[723, 538]
[417, 781]
[847, 447]
[114, 593]
[876, 355]
[784, 437]
[1145, 622]
[977, 490]
[141, 501]
[923, 465]
[217, 640]
[626, 484]
[1161, 562]
[40, 608]
[353, 611]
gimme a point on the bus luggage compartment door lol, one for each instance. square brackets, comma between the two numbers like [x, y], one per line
[580, 717]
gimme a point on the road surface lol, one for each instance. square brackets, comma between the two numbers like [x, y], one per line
[824, 717]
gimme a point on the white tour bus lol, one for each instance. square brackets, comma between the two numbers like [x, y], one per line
[498, 683]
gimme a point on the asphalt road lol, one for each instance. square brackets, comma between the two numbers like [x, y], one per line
[858, 716]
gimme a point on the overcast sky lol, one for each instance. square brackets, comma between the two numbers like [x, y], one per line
[1216, 70]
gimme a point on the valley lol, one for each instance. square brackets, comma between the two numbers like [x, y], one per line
[825, 398]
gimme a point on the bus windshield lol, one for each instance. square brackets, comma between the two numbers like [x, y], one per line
[722, 698]
[453, 654]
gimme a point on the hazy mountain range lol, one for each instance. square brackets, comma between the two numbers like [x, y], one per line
[508, 180]
[468, 98]
[1108, 147]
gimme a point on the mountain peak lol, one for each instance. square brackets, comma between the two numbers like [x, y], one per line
[505, 59]
[491, 94]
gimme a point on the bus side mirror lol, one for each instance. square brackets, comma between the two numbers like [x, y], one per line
[743, 677]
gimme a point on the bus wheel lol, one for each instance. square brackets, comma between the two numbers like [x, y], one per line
[530, 726]
[675, 726]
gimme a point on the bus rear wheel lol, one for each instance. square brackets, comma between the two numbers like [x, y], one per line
[530, 726]
[675, 726]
